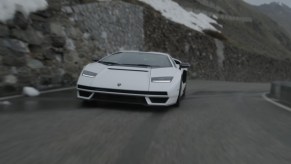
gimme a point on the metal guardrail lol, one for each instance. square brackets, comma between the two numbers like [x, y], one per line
[281, 91]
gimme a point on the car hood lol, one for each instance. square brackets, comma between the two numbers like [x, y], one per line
[125, 78]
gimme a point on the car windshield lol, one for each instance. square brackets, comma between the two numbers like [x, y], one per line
[138, 59]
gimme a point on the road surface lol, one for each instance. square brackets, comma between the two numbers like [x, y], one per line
[217, 123]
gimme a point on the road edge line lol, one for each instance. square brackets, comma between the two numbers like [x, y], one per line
[57, 90]
[41, 92]
[10, 97]
[264, 95]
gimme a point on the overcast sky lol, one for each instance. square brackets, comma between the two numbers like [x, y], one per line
[258, 2]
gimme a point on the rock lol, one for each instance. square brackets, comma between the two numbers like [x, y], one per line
[60, 72]
[13, 60]
[42, 26]
[86, 36]
[72, 56]
[45, 80]
[6, 103]
[67, 9]
[57, 50]
[14, 45]
[30, 91]
[58, 41]
[8, 89]
[52, 53]
[57, 29]
[49, 54]
[37, 18]
[34, 64]
[68, 79]
[29, 35]
[4, 30]
[70, 45]
[59, 58]
[43, 13]
[26, 76]
[74, 33]
[14, 70]
[20, 20]
[10, 79]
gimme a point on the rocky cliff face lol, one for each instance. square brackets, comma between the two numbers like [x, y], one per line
[49, 48]
[210, 58]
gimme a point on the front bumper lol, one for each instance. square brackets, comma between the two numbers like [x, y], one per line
[148, 98]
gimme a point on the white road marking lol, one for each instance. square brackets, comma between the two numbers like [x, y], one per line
[276, 103]
[42, 92]
[10, 97]
[57, 90]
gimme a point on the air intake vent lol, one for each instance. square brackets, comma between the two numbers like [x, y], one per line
[84, 93]
[159, 99]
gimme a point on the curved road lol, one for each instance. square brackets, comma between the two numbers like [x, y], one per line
[217, 123]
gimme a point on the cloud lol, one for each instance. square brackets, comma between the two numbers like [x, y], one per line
[9, 7]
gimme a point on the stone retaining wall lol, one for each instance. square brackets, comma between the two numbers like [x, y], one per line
[114, 25]
[49, 48]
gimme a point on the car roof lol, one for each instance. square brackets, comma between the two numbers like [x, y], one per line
[150, 52]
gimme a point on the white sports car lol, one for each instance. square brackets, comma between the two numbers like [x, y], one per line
[147, 78]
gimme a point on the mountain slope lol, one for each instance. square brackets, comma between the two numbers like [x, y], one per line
[261, 36]
[280, 13]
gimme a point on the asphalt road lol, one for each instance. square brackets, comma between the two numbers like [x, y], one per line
[217, 123]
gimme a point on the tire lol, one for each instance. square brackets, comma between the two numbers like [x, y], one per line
[184, 92]
[177, 104]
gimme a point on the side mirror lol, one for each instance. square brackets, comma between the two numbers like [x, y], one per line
[177, 61]
[184, 65]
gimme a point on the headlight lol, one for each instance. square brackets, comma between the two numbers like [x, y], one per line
[162, 79]
[89, 74]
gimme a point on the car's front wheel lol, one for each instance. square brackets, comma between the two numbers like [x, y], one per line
[184, 92]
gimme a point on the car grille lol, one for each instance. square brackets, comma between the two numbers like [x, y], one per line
[123, 91]
[120, 98]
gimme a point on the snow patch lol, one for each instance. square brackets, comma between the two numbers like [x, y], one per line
[174, 12]
[9, 7]
[30, 91]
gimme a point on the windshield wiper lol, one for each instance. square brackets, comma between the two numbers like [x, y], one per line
[108, 63]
